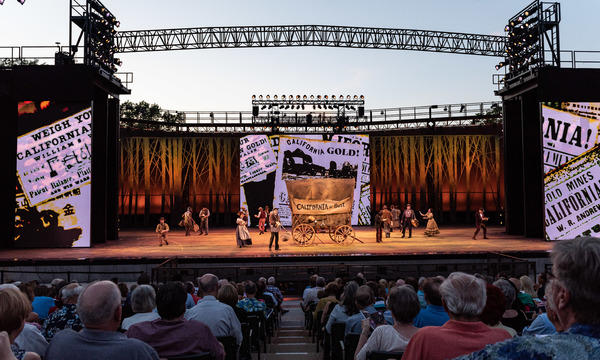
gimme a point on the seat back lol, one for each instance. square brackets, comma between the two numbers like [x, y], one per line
[202, 356]
[230, 346]
[384, 355]
[337, 339]
[350, 344]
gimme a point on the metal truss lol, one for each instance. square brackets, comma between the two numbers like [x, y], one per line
[310, 35]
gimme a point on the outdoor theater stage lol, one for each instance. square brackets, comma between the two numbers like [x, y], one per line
[220, 244]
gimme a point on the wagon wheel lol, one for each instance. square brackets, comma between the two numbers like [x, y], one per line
[344, 235]
[332, 233]
[303, 235]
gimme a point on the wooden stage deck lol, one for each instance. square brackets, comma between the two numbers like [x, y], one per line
[220, 244]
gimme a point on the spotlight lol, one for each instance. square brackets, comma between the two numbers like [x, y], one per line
[21, 1]
[253, 97]
[304, 97]
[355, 97]
[268, 97]
[312, 97]
[332, 97]
[362, 97]
[260, 97]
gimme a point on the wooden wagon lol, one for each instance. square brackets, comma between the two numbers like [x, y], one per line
[321, 206]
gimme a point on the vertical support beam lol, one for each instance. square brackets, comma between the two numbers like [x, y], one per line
[513, 174]
[99, 168]
[8, 146]
[112, 169]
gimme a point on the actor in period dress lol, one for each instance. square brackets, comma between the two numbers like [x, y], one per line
[378, 226]
[242, 235]
[479, 219]
[275, 224]
[188, 221]
[386, 220]
[262, 218]
[396, 212]
[204, 215]
[162, 229]
[406, 222]
[432, 228]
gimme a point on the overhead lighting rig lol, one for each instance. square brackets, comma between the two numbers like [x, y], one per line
[285, 102]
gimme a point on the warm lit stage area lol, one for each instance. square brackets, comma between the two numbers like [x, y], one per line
[221, 244]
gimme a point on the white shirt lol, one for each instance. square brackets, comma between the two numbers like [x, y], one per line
[138, 318]
[219, 317]
[383, 338]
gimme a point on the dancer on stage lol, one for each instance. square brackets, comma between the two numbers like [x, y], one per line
[204, 215]
[188, 221]
[407, 216]
[246, 215]
[479, 219]
[432, 228]
[162, 229]
[386, 219]
[242, 235]
[378, 226]
[267, 225]
[275, 224]
[395, 217]
[262, 218]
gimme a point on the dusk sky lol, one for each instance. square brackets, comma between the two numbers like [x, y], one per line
[225, 79]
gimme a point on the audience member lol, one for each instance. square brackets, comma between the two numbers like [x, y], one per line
[14, 309]
[364, 300]
[263, 295]
[527, 286]
[250, 304]
[172, 334]
[228, 295]
[143, 303]
[277, 293]
[495, 306]
[523, 298]
[512, 318]
[421, 293]
[219, 317]
[434, 314]
[191, 289]
[542, 325]
[328, 297]
[42, 303]
[542, 279]
[66, 317]
[312, 283]
[463, 298]
[312, 294]
[576, 299]
[341, 312]
[99, 307]
[404, 305]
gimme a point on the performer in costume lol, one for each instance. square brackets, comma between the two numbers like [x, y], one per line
[242, 235]
[204, 215]
[162, 229]
[407, 215]
[188, 221]
[262, 218]
[479, 219]
[267, 225]
[378, 226]
[386, 219]
[246, 215]
[275, 224]
[395, 217]
[432, 228]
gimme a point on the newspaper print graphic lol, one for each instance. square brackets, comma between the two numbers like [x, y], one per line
[257, 158]
[572, 198]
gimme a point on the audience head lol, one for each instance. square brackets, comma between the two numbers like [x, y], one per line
[508, 290]
[542, 278]
[27, 290]
[421, 282]
[99, 306]
[463, 296]
[348, 297]
[404, 304]
[312, 280]
[517, 283]
[412, 282]
[250, 289]
[144, 278]
[527, 285]
[70, 293]
[261, 287]
[271, 281]
[331, 289]
[208, 284]
[494, 306]
[431, 289]
[190, 288]
[124, 289]
[222, 282]
[400, 282]
[320, 281]
[143, 299]
[170, 300]
[576, 289]
[240, 289]
[14, 307]
[228, 295]
[364, 297]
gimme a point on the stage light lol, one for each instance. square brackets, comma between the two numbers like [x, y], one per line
[318, 97]
[312, 97]
[362, 97]
[355, 97]
[275, 97]
[260, 97]
[253, 97]
[326, 97]
[21, 1]
[507, 28]
[332, 97]
[348, 97]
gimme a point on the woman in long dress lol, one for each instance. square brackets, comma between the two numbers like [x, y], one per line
[432, 228]
[242, 235]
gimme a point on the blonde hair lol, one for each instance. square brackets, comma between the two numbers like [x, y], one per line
[14, 307]
[527, 286]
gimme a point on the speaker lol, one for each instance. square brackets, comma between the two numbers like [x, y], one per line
[361, 111]
[255, 111]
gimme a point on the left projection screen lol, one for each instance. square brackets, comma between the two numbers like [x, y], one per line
[53, 192]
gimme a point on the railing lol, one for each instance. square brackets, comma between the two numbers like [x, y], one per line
[323, 121]
[66, 274]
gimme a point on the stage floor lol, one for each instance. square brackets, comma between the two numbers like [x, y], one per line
[220, 243]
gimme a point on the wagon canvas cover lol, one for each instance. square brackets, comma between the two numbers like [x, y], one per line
[320, 196]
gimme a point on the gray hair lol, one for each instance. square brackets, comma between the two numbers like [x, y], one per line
[464, 294]
[208, 283]
[143, 299]
[67, 292]
[576, 269]
[320, 281]
[549, 300]
[508, 290]
[98, 308]
[271, 281]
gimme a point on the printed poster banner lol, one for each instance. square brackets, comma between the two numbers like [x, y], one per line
[572, 198]
[301, 158]
[257, 158]
[55, 159]
[321, 207]
[568, 131]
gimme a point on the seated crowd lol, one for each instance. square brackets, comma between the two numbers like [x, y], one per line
[109, 320]
[469, 316]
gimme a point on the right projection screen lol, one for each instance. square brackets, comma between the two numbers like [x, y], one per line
[571, 154]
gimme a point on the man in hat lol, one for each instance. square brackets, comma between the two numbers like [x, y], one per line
[386, 220]
[204, 215]
[275, 224]
[162, 229]
[407, 215]
[479, 219]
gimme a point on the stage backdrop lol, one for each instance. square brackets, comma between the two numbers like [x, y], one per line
[54, 175]
[572, 166]
[454, 174]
